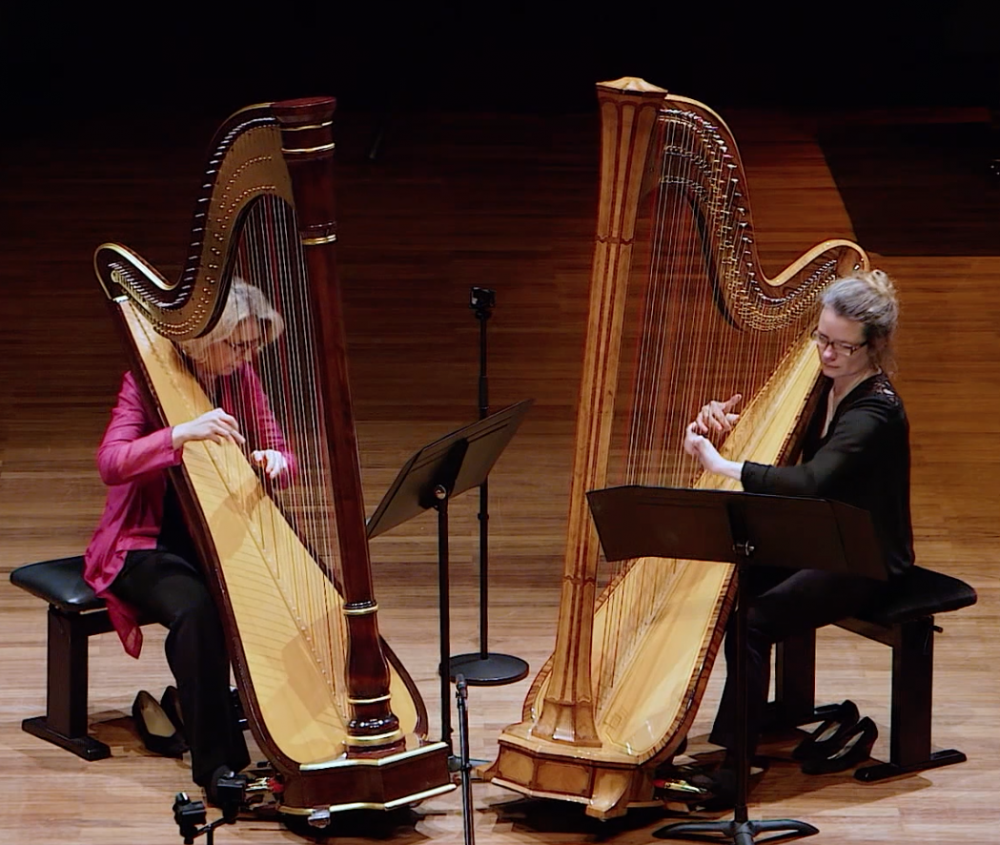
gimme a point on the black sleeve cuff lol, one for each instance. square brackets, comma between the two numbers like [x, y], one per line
[753, 476]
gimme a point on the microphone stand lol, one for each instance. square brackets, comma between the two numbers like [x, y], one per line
[484, 668]
[465, 765]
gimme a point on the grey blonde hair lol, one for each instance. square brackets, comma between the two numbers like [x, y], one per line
[246, 302]
[870, 298]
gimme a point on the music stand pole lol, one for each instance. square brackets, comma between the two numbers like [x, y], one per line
[485, 668]
[748, 530]
[431, 478]
[741, 831]
[444, 609]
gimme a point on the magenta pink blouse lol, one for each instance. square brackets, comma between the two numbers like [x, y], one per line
[132, 460]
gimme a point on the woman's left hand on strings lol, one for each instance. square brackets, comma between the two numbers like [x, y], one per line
[272, 461]
[702, 448]
[699, 446]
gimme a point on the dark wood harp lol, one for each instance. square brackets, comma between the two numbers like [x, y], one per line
[680, 313]
[329, 704]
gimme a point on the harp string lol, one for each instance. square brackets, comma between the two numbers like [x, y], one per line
[269, 257]
[693, 267]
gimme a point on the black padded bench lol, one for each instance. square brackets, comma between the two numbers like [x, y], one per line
[75, 615]
[904, 621]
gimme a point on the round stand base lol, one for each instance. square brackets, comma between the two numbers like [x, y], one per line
[491, 671]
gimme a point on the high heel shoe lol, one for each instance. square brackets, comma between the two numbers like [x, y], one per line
[171, 703]
[830, 735]
[856, 747]
[156, 730]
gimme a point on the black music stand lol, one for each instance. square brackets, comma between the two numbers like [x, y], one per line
[432, 477]
[747, 529]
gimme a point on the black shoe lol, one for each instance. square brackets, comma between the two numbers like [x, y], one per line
[856, 747]
[666, 769]
[721, 788]
[830, 735]
[171, 703]
[155, 728]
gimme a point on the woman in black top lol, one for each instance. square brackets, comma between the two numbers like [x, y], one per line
[856, 451]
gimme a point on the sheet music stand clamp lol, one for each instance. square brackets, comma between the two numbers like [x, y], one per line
[746, 529]
[431, 478]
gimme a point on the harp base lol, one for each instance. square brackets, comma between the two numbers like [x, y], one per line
[606, 789]
[370, 783]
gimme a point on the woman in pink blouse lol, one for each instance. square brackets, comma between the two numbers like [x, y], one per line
[141, 560]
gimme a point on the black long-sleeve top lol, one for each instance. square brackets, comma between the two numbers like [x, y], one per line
[864, 460]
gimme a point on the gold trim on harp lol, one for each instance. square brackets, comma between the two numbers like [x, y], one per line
[322, 125]
[320, 239]
[322, 148]
[361, 611]
[375, 739]
[387, 760]
[372, 805]
[375, 700]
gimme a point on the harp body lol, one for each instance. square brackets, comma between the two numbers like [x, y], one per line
[680, 313]
[329, 704]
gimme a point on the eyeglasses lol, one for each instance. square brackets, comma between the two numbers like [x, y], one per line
[243, 347]
[841, 348]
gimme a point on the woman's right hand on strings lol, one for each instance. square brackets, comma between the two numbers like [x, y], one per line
[718, 416]
[215, 425]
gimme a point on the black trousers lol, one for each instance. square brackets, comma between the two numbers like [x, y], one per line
[784, 602]
[173, 592]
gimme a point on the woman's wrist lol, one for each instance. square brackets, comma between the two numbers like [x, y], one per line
[730, 469]
[178, 436]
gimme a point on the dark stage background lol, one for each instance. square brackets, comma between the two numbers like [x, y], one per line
[194, 57]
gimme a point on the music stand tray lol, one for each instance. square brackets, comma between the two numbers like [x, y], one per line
[746, 529]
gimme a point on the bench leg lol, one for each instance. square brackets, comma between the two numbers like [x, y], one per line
[912, 691]
[795, 684]
[795, 680]
[65, 721]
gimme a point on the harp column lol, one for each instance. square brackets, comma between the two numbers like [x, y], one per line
[629, 109]
[307, 145]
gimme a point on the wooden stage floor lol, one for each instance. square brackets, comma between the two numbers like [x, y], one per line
[505, 202]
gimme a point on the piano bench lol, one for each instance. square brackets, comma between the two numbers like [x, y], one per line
[75, 614]
[904, 621]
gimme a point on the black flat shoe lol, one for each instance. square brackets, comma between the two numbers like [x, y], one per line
[829, 736]
[155, 729]
[856, 747]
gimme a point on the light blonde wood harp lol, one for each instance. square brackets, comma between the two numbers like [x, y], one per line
[680, 313]
[328, 703]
